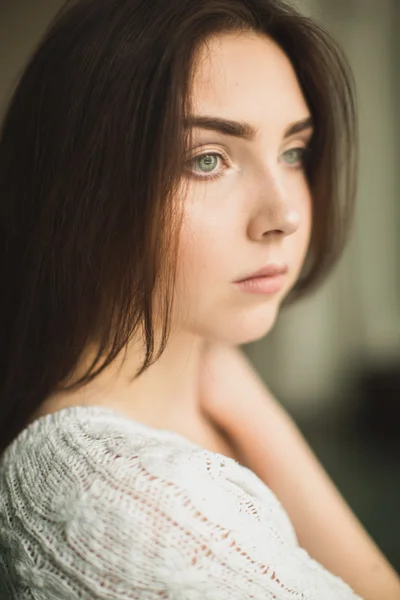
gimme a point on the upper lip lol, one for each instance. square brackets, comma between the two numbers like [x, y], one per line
[270, 270]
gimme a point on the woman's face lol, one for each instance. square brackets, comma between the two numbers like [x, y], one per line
[246, 201]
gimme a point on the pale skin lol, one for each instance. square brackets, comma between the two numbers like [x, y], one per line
[255, 210]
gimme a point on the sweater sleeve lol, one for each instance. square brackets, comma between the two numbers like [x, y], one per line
[115, 519]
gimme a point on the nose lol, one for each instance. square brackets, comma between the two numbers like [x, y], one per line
[274, 213]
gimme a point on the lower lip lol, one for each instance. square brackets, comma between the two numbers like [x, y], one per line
[262, 285]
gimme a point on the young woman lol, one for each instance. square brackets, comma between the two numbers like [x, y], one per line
[169, 174]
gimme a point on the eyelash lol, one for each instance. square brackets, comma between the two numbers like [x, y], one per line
[304, 155]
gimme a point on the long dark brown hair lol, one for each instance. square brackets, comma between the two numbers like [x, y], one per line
[91, 152]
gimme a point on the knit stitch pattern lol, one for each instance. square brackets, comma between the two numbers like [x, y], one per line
[95, 506]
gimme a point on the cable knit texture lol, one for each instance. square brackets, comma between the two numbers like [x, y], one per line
[95, 506]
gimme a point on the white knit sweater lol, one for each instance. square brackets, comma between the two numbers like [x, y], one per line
[96, 506]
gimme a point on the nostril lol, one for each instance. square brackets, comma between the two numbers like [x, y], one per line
[274, 233]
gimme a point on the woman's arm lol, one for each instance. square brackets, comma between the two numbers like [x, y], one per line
[270, 444]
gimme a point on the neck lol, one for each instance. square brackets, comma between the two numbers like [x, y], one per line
[166, 393]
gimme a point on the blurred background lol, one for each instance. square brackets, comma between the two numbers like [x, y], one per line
[333, 359]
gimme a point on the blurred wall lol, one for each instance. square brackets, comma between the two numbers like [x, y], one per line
[21, 24]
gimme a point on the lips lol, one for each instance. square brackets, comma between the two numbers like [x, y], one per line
[271, 270]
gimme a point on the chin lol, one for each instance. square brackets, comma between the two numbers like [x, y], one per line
[249, 334]
[246, 327]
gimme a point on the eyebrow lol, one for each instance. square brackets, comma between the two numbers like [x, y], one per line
[241, 129]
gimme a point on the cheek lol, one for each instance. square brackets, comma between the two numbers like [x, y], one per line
[298, 243]
[303, 236]
[203, 239]
[307, 222]
[195, 268]
[305, 213]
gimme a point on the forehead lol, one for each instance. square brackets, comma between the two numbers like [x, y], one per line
[248, 77]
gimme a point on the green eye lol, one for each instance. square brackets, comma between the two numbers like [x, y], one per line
[295, 156]
[207, 162]
[207, 166]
